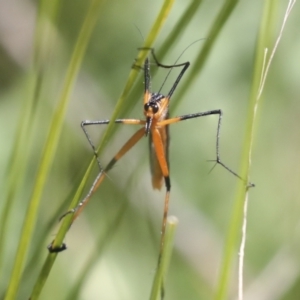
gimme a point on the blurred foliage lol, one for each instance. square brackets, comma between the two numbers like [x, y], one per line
[113, 246]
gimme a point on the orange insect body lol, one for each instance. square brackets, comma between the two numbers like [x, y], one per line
[156, 110]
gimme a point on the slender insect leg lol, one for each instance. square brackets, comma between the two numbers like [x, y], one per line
[86, 123]
[163, 163]
[159, 149]
[126, 147]
[166, 210]
[105, 122]
[100, 177]
[185, 66]
[203, 114]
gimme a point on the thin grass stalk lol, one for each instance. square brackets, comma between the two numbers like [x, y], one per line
[157, 291]
[267, 61]
[242, 191]
[102, 242]
[17, 162]
[50, 148]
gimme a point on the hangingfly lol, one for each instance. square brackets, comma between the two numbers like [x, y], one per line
[155, 127]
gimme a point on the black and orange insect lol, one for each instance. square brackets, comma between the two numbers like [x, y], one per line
[155, 127]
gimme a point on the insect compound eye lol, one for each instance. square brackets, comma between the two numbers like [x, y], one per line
[152, 105]
[154, 108]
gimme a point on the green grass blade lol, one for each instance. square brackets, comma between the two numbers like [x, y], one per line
[50, 148]
[19, 156]
[179, 28]
[162, 269]
[237, 213]
[15, 169]
[102, 242]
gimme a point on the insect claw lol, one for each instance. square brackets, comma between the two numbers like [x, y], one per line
[250, 185]
[215, 161]
[50, 248]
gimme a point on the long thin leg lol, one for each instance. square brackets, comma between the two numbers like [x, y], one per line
[159, 149]
[126, 147]
[105, 122]
[185, 66]
[203, 114]
[158, 143]
[100, 177]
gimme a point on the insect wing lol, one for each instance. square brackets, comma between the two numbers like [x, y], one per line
[156, 172]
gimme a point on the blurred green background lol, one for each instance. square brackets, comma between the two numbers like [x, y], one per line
[118, 233]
